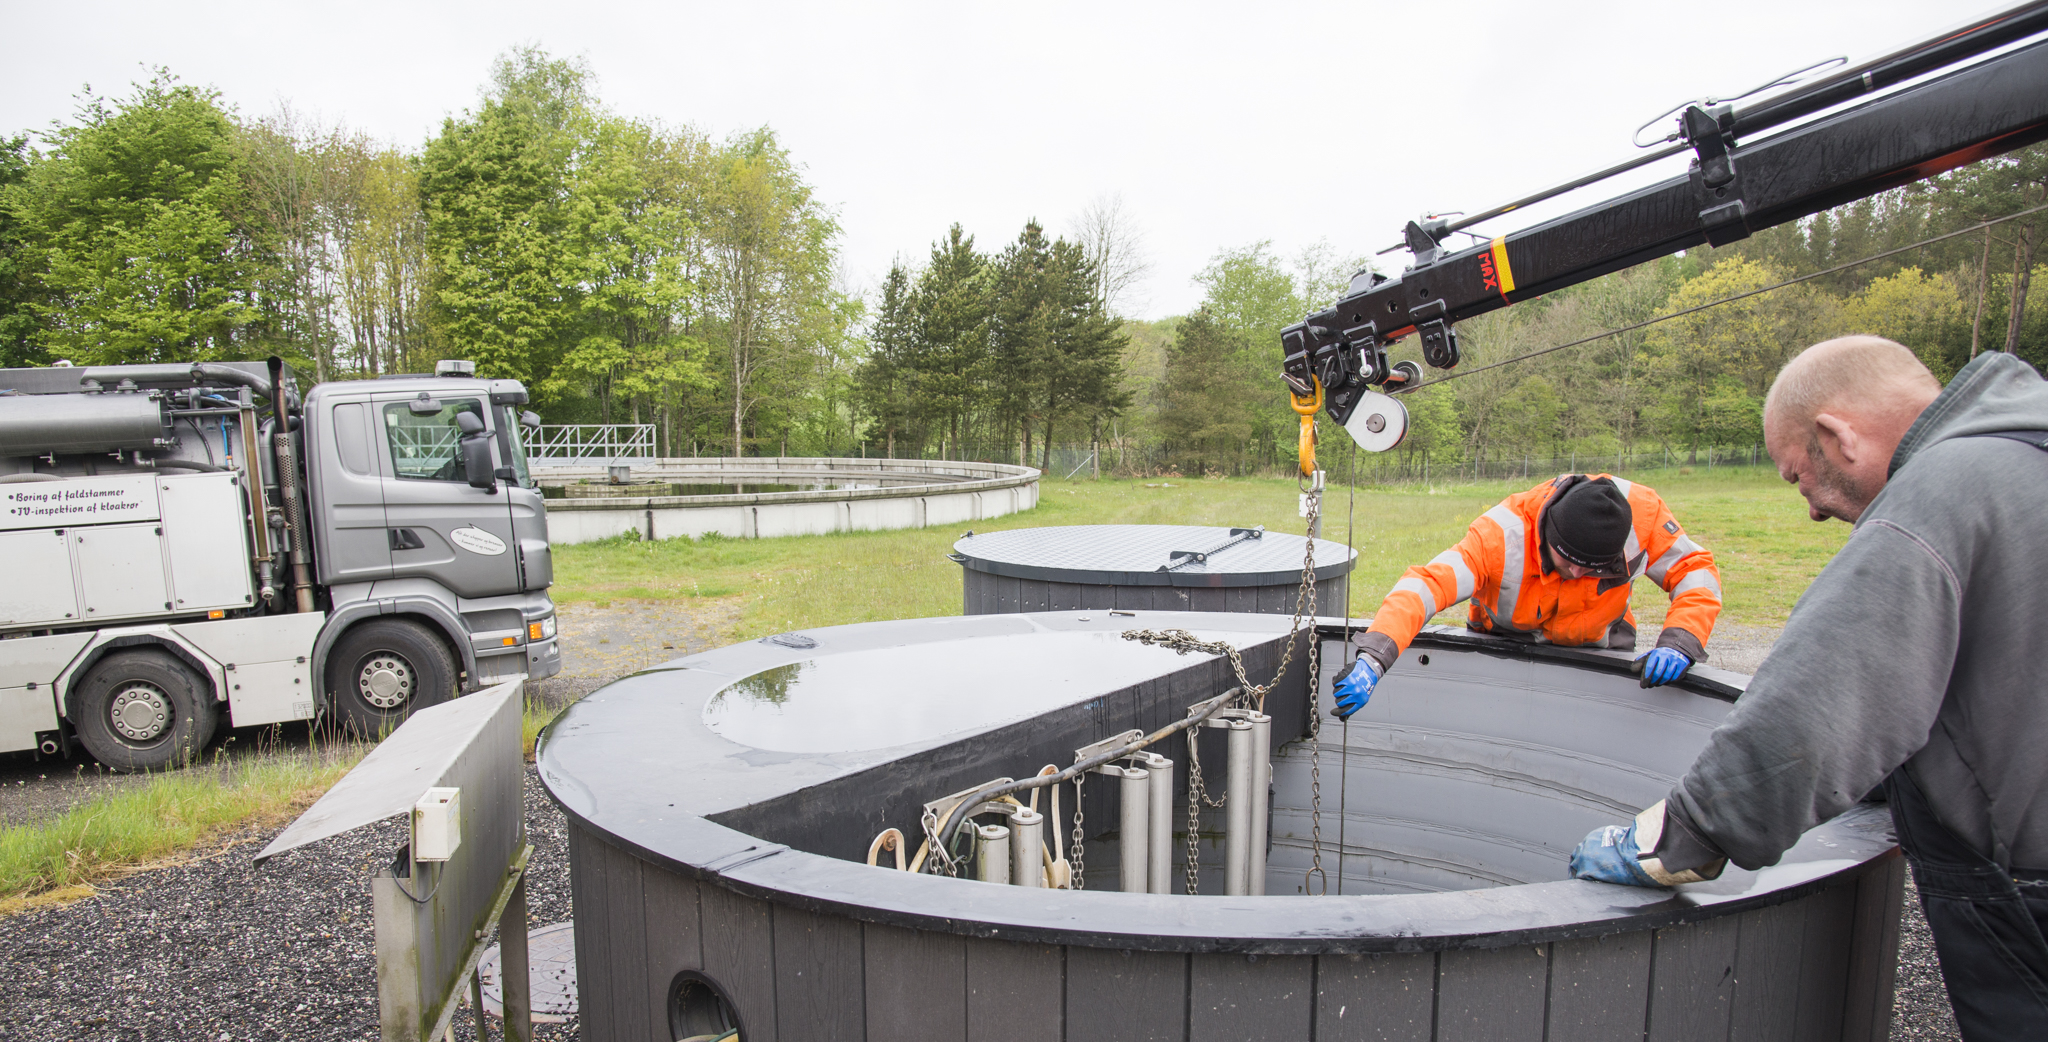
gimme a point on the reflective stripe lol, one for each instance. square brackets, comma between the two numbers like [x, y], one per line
[1514, 540]
[1419, 589]
[1625, 485]
[1632, 553]
[1700, 580]
[1455, 561]
[1678, 551]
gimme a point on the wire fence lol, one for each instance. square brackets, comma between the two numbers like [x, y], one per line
[1397, 468]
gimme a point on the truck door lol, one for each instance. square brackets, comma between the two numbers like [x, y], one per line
[441, 528]
[351, 540]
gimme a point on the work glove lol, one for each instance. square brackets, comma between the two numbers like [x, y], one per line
[1660, 666]
[1354, 686]
[1609, 855]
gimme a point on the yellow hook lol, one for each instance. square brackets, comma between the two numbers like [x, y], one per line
[1307, 406]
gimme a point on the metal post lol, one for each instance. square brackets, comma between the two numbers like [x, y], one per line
[1134, 832]
[992, 854]
[1160, 859]
[516, 990]
[1027, 844]
[1262, 781]
[1237, 821]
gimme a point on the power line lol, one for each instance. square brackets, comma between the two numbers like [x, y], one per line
[1724, 300]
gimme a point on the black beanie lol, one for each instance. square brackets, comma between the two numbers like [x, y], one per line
[1589, 525]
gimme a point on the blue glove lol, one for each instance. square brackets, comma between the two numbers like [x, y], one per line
[1354, 686]
[1661, 666]
[1608, 855]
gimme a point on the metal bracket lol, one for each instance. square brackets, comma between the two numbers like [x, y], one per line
[1425, 240]
[1722, 213]
[1439, 339]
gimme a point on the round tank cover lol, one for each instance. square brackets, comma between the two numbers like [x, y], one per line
[477, 541]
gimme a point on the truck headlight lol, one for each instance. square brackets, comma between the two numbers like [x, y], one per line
[542, 630]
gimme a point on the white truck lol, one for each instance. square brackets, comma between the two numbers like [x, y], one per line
[189, 544]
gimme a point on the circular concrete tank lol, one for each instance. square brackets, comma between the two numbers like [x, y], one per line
[721, 808]
[1151, 567]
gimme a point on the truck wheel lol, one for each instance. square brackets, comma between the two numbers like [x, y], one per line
[382, 670]
[142, 709]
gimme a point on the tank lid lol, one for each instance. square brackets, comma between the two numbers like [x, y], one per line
[1151, 555]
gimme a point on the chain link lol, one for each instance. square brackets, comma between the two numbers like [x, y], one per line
[1077, 879]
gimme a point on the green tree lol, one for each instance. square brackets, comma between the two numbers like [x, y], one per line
[18, 325]
[888, 379]
[127, 230]
[952, 308]
[1207, 417]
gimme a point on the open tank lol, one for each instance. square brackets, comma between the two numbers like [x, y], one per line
[724, 806]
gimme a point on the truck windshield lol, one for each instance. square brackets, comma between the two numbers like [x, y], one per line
[428, 447]
[514, 444]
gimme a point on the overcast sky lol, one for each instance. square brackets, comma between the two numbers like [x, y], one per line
[1218, 124]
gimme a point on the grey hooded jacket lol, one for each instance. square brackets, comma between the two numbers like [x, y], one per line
[1924, 642]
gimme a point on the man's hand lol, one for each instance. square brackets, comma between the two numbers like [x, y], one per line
[1609, 855]
[1354, 686]
[1661, 666]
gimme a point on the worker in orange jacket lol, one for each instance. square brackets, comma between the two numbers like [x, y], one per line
[1555, 564]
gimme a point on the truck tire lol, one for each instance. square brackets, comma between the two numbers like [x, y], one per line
[144, 709]
[383, 670]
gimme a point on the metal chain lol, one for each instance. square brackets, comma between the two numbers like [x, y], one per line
[1198, 795]
[1077, 879]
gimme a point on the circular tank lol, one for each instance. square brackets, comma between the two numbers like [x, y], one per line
[1148, 567]
[721, 808]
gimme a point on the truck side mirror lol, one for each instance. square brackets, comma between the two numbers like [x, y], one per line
[530, 420]
[476, 452]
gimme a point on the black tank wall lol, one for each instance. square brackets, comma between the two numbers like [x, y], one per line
[985, 594]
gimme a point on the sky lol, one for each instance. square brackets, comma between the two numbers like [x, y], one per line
[1217, 125]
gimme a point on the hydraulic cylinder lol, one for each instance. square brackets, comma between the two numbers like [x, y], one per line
[1262, 784]
[1134, 830]
[1027, 843]
[992, 854]
[1237, 817]
[1159, 860]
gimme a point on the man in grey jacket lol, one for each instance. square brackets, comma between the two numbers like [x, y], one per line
[1913, 661]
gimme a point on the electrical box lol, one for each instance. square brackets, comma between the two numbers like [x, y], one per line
[437, 825]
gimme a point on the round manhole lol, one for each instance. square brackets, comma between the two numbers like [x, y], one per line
[551, 974]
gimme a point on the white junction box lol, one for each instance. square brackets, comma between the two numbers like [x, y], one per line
[437, 825]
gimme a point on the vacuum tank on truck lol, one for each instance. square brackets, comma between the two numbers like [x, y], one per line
[193, 544]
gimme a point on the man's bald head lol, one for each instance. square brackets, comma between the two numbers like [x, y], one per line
[1836, 415]
[1868, 375]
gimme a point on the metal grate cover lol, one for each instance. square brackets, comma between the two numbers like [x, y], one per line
[1144, 555]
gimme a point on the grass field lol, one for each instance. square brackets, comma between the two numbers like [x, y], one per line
[1754, 523]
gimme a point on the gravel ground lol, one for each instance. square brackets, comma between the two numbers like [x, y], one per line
[215, 950]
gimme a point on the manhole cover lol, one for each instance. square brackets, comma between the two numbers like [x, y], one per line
[551, 974]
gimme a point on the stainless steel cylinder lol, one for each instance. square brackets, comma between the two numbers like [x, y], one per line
[992, 854]
[1159, 860]
[1237, 817]
[1134, 830]
[1262, 785]
[1027, 843]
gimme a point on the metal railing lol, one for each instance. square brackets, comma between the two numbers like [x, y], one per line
[591, 442]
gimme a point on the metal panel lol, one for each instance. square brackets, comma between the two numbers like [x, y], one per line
[916, 983]
[1767, 973]
[1375, 998]
[1599, 987]
[1012, 991]
[739, 956]
[1134, 555]
[270, 674]
[121, 570]
[1493, 994]
[1126, 996]
[1874, 952]
[38, 590]
[205, 541]
[1234, 997]
[1824, 962]
[113, 499]
[625, 934]
[818, 976]
[1692, 981]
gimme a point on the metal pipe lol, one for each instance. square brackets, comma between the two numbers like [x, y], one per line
[1134, 830]
[1027, 847]
[992, 854]
[1237, 817]
[1159, 861]
[1261, 808]
[288, 492]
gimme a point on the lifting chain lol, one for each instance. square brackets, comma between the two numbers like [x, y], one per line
[1078, 877]
[1252, 695]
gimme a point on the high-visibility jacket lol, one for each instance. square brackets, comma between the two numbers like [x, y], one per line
[1499, 566]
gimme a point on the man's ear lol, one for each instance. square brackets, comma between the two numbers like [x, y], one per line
[1838, 434]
